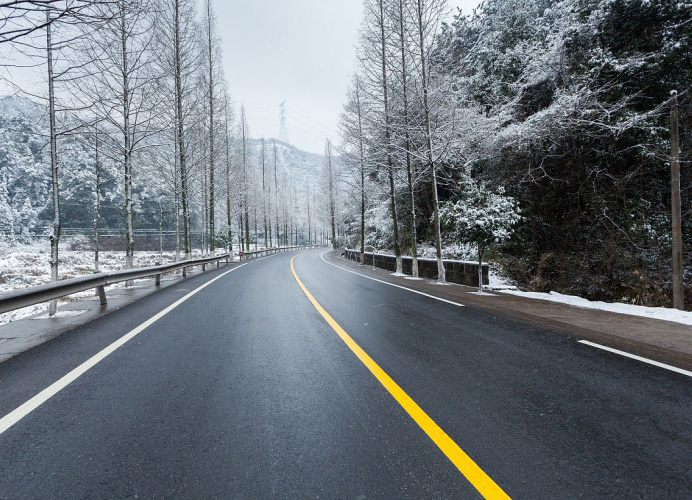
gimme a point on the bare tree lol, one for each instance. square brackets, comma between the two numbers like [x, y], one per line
[353, 154]
[97, 197]
[427, 14]
[55, 231]
[332, 190]
[227, 140]
[402, 31]
[178, 62]
[376, 61]
[213, 77]
[119, 87]
[263, 159]
[20, 26]
[276, 191]
[244, 142]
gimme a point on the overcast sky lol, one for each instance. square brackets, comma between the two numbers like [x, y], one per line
[300, 51]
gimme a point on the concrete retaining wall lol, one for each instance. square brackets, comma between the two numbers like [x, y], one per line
[457, 271]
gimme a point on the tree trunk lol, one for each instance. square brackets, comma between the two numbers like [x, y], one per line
[160, 233]
[229, 234]
[241, 241]
[205, 213]
[180, 135]
[428, 139]
[268, 223]
[332, 202]
[176, 198]
[409, 177]
[309, 221]
[480, 268]
[212, 203]
[129, 227]
[55, 232]
[387, 135]
[245, 187]
[97, 200]
[678, 278]
[177, 228]
[361, 150]
[276, 194]
[264, 194]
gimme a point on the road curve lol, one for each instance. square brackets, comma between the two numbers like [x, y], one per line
[245, 391]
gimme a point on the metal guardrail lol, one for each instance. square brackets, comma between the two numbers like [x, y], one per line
[16, 299]
[272, 251]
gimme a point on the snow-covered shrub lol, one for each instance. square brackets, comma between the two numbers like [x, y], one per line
[479, 217]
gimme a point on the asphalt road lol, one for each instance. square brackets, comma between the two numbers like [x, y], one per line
[244, 390]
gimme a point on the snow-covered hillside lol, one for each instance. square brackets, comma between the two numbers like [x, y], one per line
[303, 167]
[25, 190]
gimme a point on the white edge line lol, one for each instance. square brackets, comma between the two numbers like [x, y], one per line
[22, 411]
[390, 284]
[638, 358]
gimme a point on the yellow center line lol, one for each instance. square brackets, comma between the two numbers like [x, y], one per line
[476, 476]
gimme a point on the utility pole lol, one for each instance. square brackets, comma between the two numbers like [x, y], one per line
[283, 130]
[678, 287]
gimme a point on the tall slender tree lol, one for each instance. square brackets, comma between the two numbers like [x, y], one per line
[276, 189]
[331, 182]
[427, 15]
[353, 139]
[244, 146]
[119, 88]
[376, 61]
[55, 231]
[212, 72]
[227, 141]
[403, 37]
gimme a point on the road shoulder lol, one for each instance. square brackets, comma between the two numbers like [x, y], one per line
[24, 334]
[662, 341]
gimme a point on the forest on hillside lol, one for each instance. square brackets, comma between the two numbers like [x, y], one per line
[25, 186]
[539, 131]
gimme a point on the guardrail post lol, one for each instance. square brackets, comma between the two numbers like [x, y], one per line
[184, 272]
[158, 279]
[204, 267]
[102, 295]
[217, 263]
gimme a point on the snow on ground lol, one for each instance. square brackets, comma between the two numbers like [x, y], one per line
[498, 282]
[64, 314]
[502, 285]
[23, 266]
[24, 312]
[661, 313]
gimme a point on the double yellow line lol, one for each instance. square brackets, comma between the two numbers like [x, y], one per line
[479, 479]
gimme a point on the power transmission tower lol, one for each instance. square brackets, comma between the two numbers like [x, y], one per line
[283, 131]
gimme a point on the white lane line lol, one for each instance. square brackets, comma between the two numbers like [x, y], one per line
[391, 284]
[22, 411]
[638, 358]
